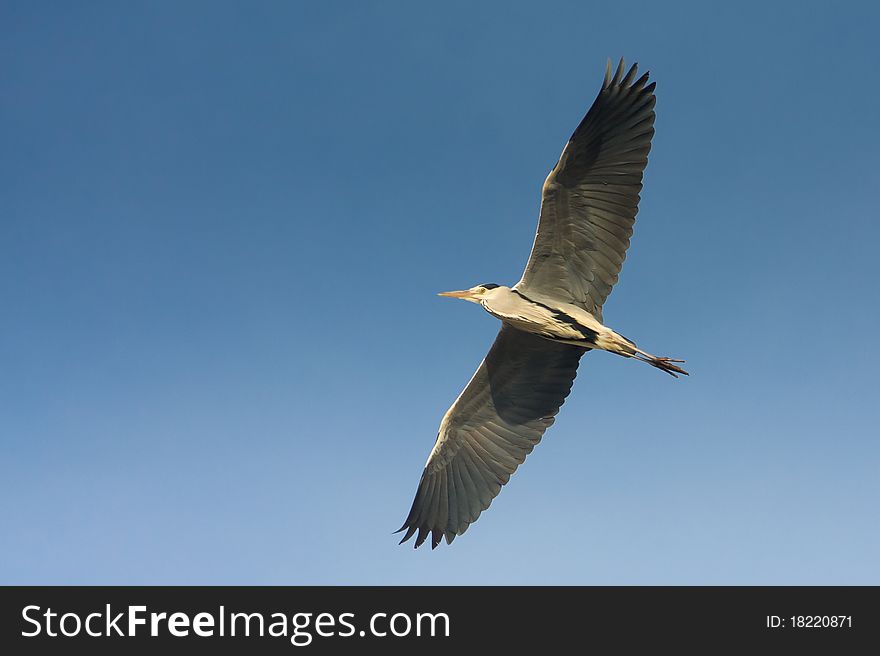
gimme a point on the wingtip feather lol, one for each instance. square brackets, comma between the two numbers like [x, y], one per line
[408, 535]
[420, 539]
[630, 76]
[618, 74]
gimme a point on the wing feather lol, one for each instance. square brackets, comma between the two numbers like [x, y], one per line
[590, 199]
[488, 432]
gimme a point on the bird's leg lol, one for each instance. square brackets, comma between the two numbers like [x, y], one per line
[609, 340]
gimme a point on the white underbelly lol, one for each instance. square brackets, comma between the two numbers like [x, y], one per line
[551, 327]
[547, 318]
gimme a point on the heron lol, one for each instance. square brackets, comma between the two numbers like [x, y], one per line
[550, 318]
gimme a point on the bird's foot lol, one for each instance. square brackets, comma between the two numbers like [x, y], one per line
[665, 364]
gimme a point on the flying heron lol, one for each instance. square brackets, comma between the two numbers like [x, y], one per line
[550, 318]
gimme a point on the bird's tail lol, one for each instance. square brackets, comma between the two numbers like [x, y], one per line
[663, 364]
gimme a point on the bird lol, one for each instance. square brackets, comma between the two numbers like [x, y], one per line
[550, 318]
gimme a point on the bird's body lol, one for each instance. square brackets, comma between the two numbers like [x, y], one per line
[558, 321]
[550, 318]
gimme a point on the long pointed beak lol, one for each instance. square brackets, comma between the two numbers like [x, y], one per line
[464, 293]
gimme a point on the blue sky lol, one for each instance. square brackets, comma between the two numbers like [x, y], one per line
[223, 226]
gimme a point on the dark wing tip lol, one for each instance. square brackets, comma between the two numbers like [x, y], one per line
[630, 76]
[437, 534]
[618, 74]
[409, 533]
[621, 81]
[420, 539]
[420, 524]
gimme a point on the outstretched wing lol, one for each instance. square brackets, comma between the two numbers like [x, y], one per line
[488, 432]
[590, 199]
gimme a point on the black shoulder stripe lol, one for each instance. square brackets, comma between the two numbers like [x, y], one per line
[559, 315]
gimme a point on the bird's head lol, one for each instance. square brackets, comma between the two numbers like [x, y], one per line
[475, 294]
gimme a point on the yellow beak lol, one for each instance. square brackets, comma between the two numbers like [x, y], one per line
[464, 293]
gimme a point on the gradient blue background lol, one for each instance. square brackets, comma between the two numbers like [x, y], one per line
[223, 227]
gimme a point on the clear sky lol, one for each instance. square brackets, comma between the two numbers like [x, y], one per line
[222, 231]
